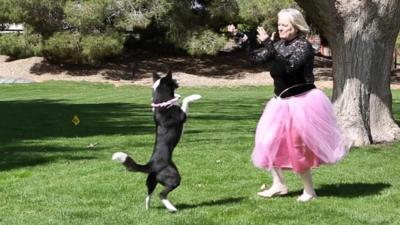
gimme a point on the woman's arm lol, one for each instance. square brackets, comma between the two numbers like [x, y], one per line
[264, 54]
[256, 55]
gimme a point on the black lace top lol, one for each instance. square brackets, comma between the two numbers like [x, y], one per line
[292, 61]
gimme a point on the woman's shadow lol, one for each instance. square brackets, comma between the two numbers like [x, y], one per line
[341, 190]
[347, 190]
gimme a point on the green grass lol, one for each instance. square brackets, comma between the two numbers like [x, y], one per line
[49, 176]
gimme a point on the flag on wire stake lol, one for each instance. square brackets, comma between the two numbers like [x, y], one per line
[75, 120]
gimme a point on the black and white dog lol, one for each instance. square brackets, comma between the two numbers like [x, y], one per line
[169, 118]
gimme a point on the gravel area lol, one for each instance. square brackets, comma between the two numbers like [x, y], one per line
[36, 69]
[221, 71]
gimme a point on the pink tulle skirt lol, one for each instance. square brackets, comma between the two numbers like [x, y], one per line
[298, 133]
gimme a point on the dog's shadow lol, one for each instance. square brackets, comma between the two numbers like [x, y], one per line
[347, 190]
[225, 201]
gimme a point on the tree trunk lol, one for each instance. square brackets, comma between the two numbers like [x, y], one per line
[362, 34]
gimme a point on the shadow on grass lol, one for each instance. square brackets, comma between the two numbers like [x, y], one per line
[42, 119]
[31, 121]
[39, 119]
[26, 156]
[218, 202]
[353, 190]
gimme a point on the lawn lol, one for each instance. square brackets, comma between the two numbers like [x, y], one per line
[48, 175]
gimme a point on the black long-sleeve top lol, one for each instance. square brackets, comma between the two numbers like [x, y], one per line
[292, 64]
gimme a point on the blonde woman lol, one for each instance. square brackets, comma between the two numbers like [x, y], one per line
[297, 130]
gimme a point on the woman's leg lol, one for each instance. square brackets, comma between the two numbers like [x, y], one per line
[308, 192]
[278, 187]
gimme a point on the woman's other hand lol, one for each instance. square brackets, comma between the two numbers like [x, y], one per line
[262, 34]
[273, 36]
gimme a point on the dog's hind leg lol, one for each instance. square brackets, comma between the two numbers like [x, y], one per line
[171, 179]
[165, 201]
[187, 100]
[151, 184]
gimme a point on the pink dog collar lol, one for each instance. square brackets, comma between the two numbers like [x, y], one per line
[166, 104]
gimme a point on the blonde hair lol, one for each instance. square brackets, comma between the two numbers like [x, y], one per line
[296, 19]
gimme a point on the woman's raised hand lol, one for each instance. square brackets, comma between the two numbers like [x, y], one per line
[261, 36]
[232, 29]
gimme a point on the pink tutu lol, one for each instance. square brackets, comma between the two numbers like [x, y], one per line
[298, 133]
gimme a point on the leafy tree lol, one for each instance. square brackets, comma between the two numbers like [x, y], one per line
[262, 12]
[85, 17]
[43, 16]
[6, 9]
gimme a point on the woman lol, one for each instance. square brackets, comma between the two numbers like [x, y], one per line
[297, 129]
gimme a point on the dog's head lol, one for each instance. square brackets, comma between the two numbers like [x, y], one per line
[197, 6]
[163, 87]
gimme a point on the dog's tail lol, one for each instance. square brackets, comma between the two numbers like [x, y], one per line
[187, 100]
[129, 163]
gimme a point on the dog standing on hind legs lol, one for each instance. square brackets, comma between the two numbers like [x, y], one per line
[169, 118]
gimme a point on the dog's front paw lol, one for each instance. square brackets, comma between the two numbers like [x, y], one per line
[119, 157]
[191, 98]
[196, 97]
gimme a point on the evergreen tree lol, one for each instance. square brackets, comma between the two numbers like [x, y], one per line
[65, 26]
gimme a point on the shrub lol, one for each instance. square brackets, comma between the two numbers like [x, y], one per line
[64, 47]
[96, 48]
[73, 48]
[20, 45]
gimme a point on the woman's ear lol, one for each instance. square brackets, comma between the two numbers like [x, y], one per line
[297, 31]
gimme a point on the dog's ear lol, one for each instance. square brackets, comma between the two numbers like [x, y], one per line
[169, 74]
[155, 76]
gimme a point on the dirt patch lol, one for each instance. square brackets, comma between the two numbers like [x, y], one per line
[232, 69]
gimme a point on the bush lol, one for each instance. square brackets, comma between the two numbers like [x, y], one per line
[21, 45]
[73, 48]
[205, 43]
[64, 47]
[96, 48]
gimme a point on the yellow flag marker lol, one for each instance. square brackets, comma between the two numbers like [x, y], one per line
[76, 120]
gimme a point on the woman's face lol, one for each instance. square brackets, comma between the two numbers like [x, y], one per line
[286, 30]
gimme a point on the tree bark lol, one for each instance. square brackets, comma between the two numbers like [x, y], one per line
[362, 35]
